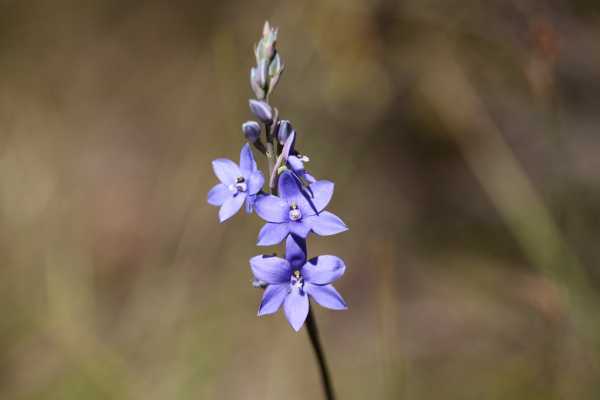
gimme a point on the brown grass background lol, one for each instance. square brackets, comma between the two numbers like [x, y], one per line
[463, 137]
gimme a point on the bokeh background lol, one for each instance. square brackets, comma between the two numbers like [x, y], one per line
[463, 137]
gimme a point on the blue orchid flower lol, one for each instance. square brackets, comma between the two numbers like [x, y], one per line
[238, 184]
[297, 210]
[292, 280]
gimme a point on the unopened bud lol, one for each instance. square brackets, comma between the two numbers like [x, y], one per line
[251, 130]
[259, 92]
[275, 70]
[266, 28]
[263, 73]
[276, 66]
[262, 111]
[265, 49]
[284, 129]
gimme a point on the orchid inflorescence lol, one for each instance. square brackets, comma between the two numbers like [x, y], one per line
[293, 207]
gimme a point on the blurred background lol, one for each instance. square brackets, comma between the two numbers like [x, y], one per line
[463, 137]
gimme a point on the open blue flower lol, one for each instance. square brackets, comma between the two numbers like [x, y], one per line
[238, 184]
[297, 211]
[291, 280]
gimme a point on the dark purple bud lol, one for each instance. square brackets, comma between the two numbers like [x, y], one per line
[251, 130]
[262, 111]
[284, 129]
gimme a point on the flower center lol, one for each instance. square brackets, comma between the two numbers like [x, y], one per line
[295, 213]
[238, 186]
[297, 280]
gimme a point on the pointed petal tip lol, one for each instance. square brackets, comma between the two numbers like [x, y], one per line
[327, 224]
[225, 170]
[231, 206]
[262, 313]
[296, 326]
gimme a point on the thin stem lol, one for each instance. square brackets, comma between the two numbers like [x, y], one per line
[271, 158]
[313, 334]
[271, 152]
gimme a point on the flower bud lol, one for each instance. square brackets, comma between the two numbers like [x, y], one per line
[266, 28]
[255, 84]
[275, 70]
[251, 130]
[263, 73]
[262, 111]
[284, 129]
[265, 49]
[276, 66]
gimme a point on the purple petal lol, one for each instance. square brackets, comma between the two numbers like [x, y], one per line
[309, 178]
[247, 163]
[289, 188]
[295, 163]
[271, 269]
[288, 145]
[326, 224]
[226, 170]
[218, 194]
[231, 206]
[326, 296]
[295, 308]
[321, 192]
[273, 298]
[250, 199]
[323, 270]
[272, 209]
[295, 251]
[299, 228]
[256, 180]
[272, 233]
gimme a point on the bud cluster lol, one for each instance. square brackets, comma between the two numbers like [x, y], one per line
[269, 67]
